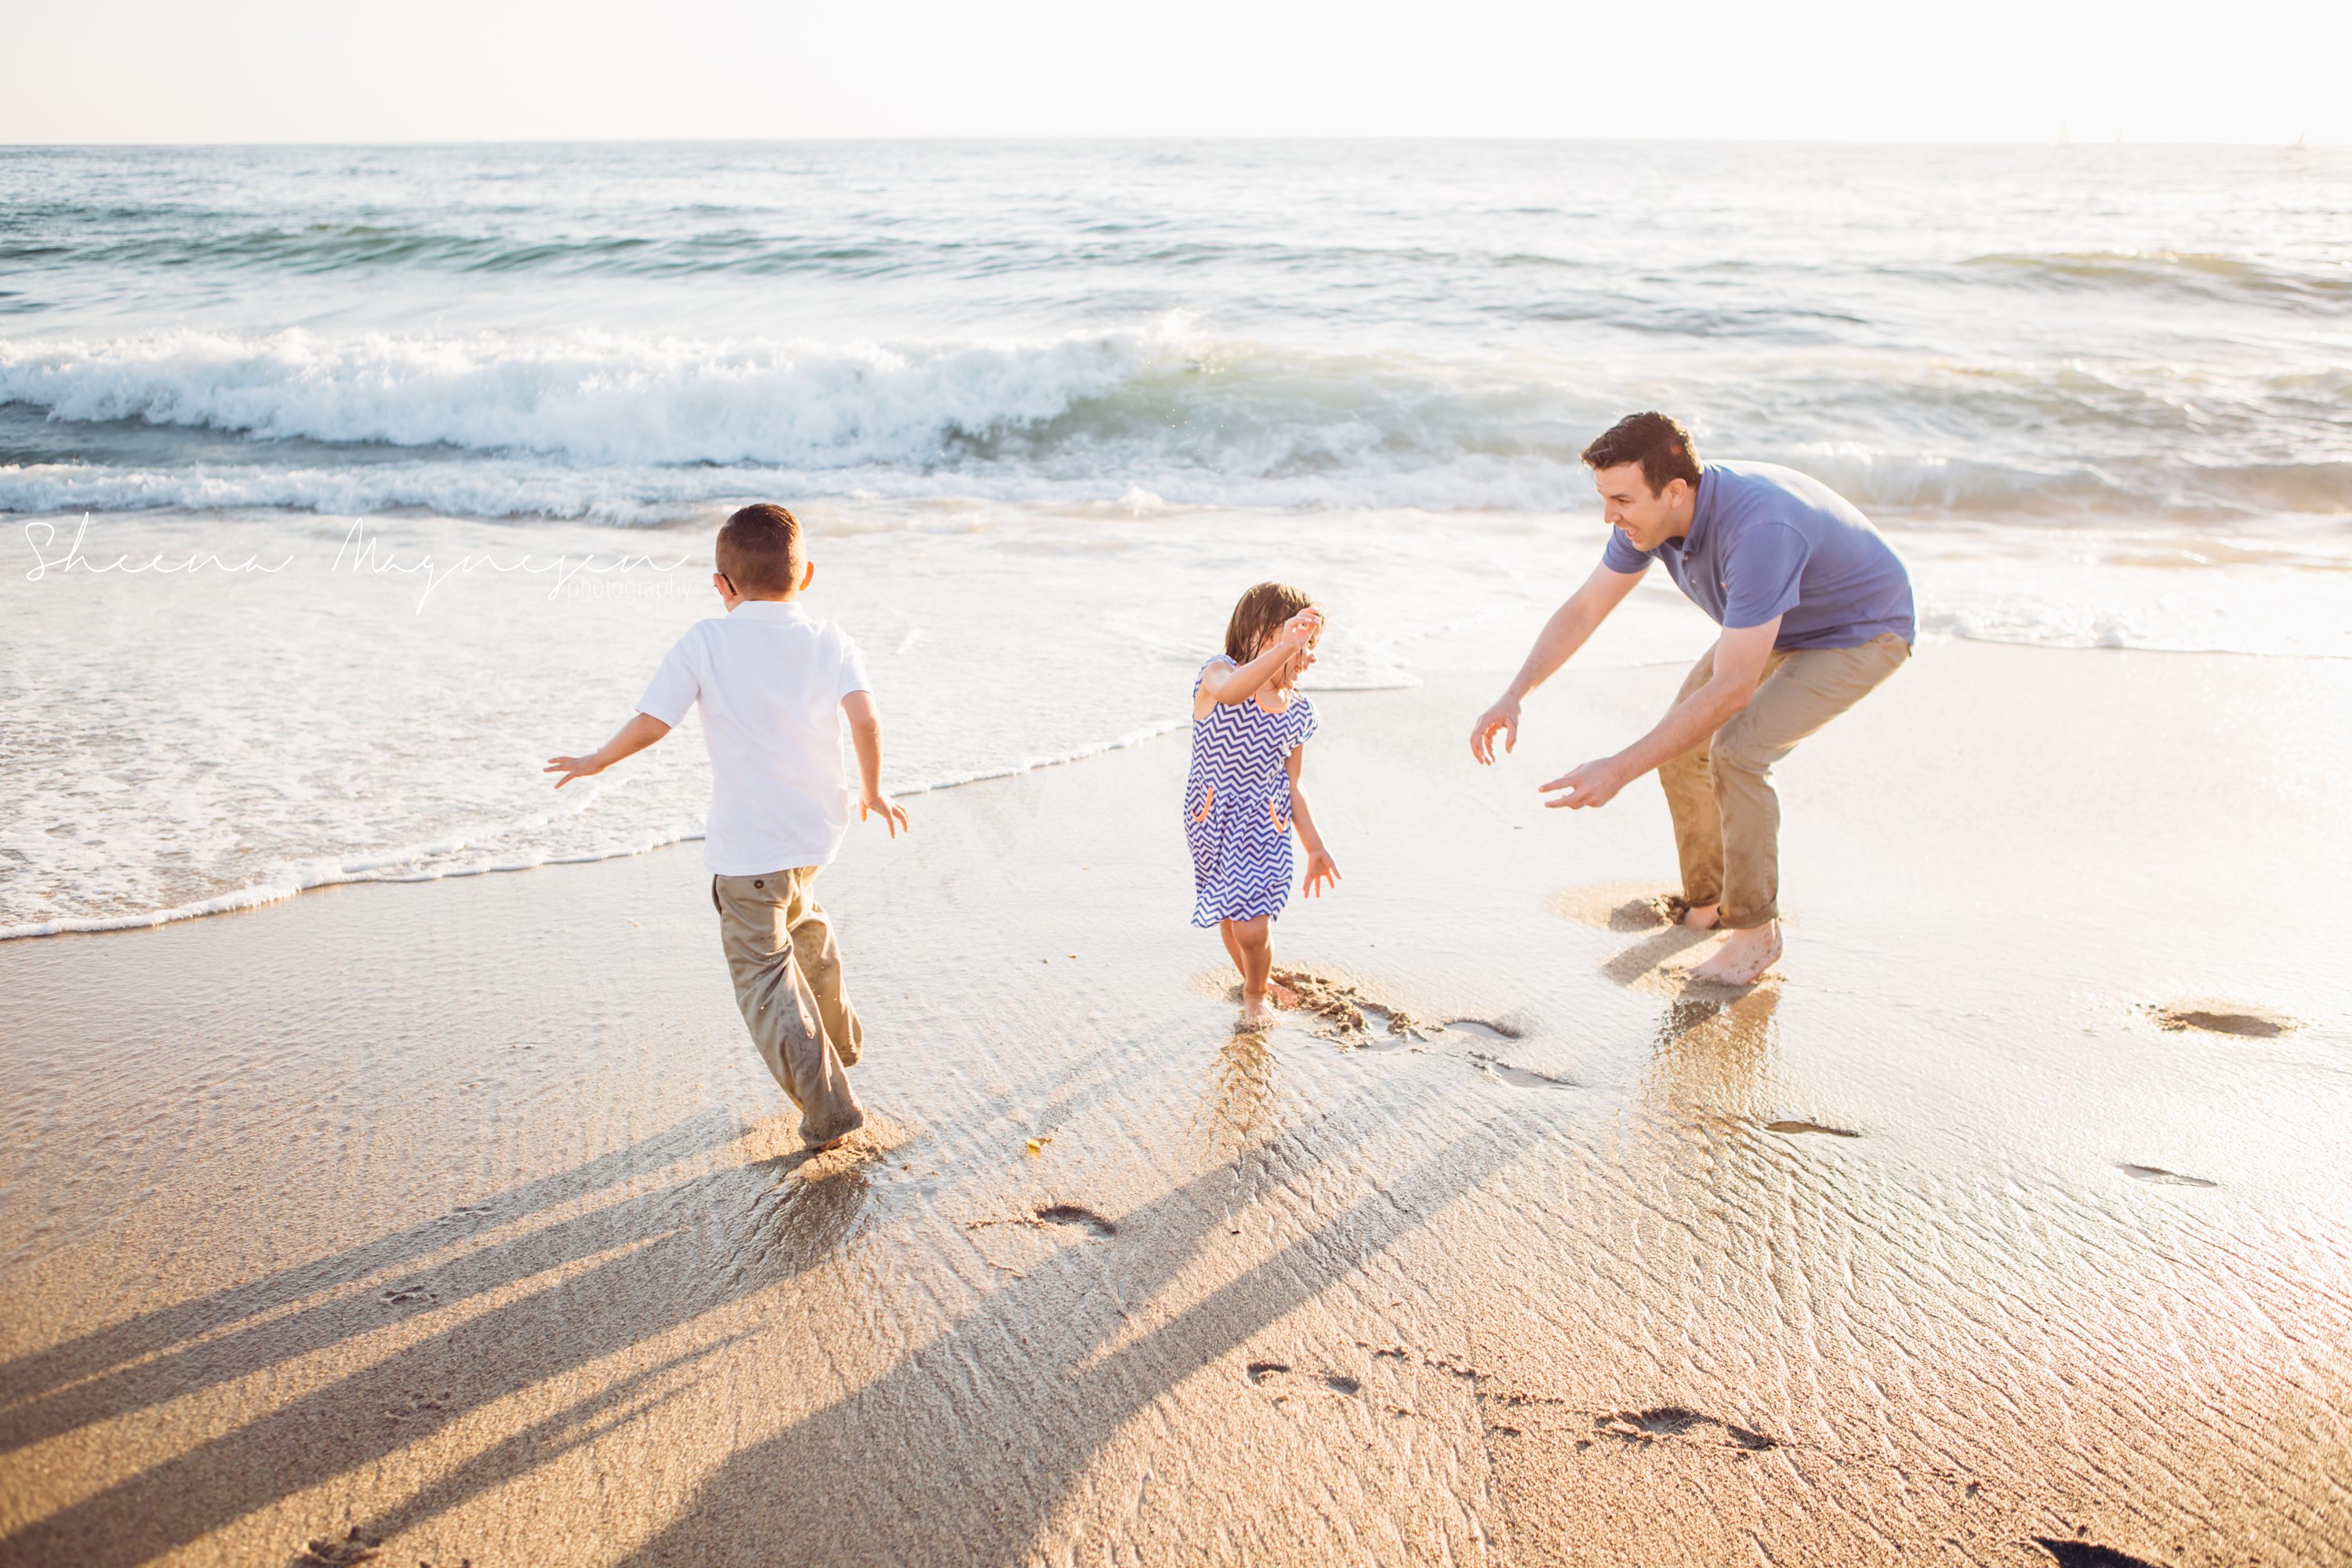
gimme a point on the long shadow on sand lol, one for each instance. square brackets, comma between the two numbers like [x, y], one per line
[621, 1275]
[173, 1352]
[166, 1354]
[669, 1257]
[964, 1450]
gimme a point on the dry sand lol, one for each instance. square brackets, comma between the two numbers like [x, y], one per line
[458, 1223]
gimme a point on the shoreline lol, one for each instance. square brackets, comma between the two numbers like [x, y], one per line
[362, 869]
[465, 1219]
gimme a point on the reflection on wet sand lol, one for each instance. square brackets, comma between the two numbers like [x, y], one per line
[1239, 1107]
[1711, 1057]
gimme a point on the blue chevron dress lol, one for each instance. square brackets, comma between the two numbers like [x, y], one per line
[1237, 806]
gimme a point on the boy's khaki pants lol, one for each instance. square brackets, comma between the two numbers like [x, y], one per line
[787, 971]
[1726, 818]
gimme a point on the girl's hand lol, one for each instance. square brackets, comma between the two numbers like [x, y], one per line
[1322, 871]
[1299, 631]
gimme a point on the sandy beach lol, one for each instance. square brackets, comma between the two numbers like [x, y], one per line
[457, 1223]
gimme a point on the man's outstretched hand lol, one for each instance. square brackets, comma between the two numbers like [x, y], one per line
[1502, 716]
[1594, 784]
[893, 815]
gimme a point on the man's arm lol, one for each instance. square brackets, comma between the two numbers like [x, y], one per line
[865, 736]
[1739, 658]
[642, 731]
[1566, 632]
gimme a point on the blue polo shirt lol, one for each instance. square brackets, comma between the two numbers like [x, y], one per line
[1765, 541]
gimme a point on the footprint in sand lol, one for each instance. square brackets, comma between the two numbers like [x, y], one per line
[1519, 1077]
[2221, 1018]
[1808, 1127]
[1356, 1016]
[1080, 1217]
[1277, 1375]
[352, 1548]
[2159, 1174]
[2088, 1554]
[1665, 1421]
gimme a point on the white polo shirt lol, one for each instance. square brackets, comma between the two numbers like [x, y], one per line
[771, 678]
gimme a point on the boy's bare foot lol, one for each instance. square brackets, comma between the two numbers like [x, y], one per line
[1699, 917]
[1743, 958]
[1281, 996]
[833, 1140]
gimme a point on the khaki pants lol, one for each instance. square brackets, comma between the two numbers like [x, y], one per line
[1726, 818]
[787, 972]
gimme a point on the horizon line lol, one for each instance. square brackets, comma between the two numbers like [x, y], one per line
[2054, 143]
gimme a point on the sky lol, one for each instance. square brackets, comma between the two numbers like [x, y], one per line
[457, 70]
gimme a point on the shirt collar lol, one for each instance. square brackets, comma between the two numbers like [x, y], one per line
[1701, 515]
[767, 610]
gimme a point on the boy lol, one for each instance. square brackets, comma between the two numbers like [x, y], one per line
[773, 683]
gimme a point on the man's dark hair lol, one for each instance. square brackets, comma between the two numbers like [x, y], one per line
[1660, 445]
[759, 550]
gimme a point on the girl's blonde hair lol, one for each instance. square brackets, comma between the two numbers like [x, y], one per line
[1259, 616]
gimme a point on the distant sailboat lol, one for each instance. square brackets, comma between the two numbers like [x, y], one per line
[2064, 139]
[2302, 142]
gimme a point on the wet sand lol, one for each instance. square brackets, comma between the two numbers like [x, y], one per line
[458, 1223]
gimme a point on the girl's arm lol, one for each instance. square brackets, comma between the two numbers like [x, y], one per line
[1321, 870]
[1226, 683]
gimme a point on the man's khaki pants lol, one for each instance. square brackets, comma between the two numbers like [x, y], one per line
[1726, 818]
[787, 971]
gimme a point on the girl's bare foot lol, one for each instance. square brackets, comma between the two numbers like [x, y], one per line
[1743, 958]
[1281, 996]
[1256, 1013]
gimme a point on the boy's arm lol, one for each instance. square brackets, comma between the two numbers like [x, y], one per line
[1321, 870]
[866, 735]
[642, 731]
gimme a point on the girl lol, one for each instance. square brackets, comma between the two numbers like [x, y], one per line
[1250, 728]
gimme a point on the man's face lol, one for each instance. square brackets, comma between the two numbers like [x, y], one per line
[1646, 517]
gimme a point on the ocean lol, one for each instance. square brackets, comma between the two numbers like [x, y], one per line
[346, 485]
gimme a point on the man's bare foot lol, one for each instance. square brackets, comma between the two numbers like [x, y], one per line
[1700, 917]
[1256, 1013]
[1743, 958]
[1281, 996]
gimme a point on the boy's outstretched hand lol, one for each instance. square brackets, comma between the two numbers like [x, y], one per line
[642, 731]
[894, 815]
[1322, 872]
[586, 767]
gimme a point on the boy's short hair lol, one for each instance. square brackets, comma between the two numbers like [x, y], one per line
[759, 550]
[1260, 614]
[1660, 445]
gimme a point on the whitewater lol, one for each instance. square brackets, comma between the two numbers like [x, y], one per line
[1047, 402]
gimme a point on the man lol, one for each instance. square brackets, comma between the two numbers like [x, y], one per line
[1816, 611]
